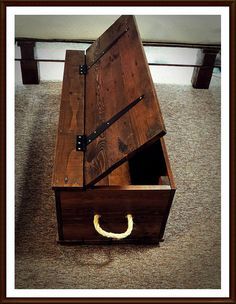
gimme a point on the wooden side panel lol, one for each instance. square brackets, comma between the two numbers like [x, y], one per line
[68, 164]
[148, 209]
[167, 163]
[119, 77]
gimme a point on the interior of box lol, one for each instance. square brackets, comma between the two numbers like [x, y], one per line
[145, 167]
[148, 167]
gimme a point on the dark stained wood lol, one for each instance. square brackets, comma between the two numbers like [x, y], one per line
[107, 39]
[127, 166]
[59, 215]
[82, 228]
[68, 168]
[29, 67]
[29, 72]
[149, 204]
[119, 77]
[201, 77]
[120, 176]
[111, 93]
[172, 184]
[167, 164]
[27, 49]
[137, 241]
[148, 209]
[166, 215]
[68, 164]
[114, 200]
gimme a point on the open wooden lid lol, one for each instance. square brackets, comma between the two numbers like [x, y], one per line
[118, 76]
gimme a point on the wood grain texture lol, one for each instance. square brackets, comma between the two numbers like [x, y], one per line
[68, 164]
[120, 76]
[108, 201]
[149, 204]
[106, 40]
[148, 209]
[120, 176]
[83, 229]
[127, 166]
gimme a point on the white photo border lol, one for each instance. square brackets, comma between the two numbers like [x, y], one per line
[10, 204]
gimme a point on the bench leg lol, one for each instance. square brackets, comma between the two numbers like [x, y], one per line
[29, 66]
[201, 77]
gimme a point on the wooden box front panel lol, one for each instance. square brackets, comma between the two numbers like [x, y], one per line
[149, 209]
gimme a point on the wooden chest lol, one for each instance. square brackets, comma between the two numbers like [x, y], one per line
[112, 177]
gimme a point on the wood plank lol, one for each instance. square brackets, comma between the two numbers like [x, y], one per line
[112, 83]
[106, 40]
[105, 201]
[167, 163]
[111, 92]
[146, 118]
[172, 184]
[59, 215]
[68, 166]
[82, 228]
[68, 163]
[120, 176]
[72, 100]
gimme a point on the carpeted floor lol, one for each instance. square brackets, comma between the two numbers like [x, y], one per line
[190, 255]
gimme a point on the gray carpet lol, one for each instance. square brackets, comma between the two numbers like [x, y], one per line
[190, 255]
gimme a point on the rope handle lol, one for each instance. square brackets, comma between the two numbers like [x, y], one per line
[117, 236]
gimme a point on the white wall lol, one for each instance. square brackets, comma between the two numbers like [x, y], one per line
[189, 29]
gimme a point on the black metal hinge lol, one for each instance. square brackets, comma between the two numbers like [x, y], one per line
[83, 69]
[82, 140]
